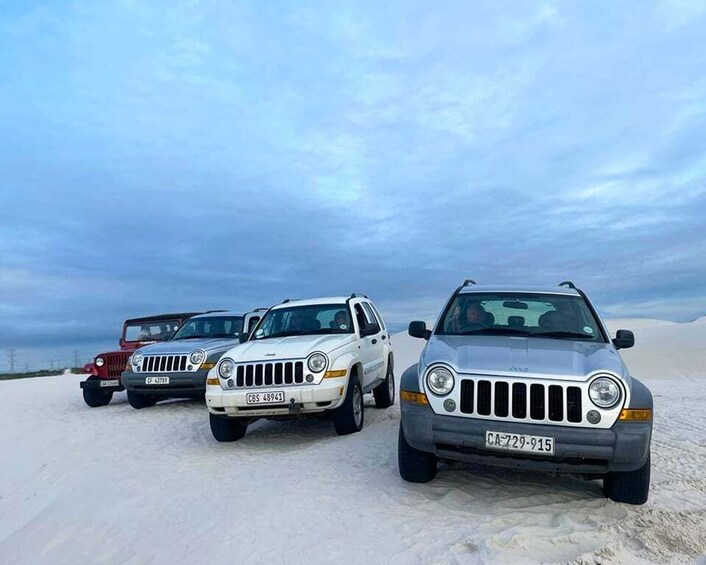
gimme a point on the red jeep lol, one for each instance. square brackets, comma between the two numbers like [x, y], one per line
[106, 368]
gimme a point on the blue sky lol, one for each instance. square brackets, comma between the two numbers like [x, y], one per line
[159, 156]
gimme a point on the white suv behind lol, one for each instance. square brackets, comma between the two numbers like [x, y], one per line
[305, 357]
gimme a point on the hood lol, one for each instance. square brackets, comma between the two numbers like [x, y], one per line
[290, 347]
[503, 355]
[184, 346]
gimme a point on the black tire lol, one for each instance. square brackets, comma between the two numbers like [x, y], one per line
[384, 393]
[137, 400]
[96, 397]
[349, 418]
[227, 429]
[631, 487]
[415, 466]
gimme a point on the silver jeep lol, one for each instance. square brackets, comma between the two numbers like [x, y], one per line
[177, 367]
[528, 378]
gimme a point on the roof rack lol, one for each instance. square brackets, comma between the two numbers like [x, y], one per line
[212, 311]
[354, 295]
[468, 281]
[260, 309]
[568, 284]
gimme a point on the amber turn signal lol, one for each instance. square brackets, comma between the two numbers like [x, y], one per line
[635, 415]
[212, 381]
[205, 366]
[415, 397]
[335, 374]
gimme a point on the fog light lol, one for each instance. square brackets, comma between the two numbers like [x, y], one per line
[137, 369]
[593, 416]
[230, 383]
[449, 405]
[189, 367]
[309, 378]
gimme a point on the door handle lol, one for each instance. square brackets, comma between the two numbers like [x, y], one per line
[384, 336]
[375, 341]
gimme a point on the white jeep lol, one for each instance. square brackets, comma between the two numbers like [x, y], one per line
[305, 357]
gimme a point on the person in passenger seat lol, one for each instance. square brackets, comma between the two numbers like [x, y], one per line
[340, 321]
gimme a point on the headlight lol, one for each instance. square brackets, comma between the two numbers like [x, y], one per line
[197, 357]
[137, 358]
[604, 392]
[100, 361]
[440, 381]
[226, 368]
[317, 362]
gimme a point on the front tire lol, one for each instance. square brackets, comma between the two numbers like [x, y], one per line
[415, 466]
[384, 393]
[350, 416]
[96, 397]
[138, 401]
[631, 487]
[227, 429]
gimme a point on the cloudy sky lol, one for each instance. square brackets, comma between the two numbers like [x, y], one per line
[184, 154]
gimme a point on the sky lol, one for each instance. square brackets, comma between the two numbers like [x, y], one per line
[187, 155]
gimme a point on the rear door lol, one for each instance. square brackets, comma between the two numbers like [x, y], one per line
[376, 344]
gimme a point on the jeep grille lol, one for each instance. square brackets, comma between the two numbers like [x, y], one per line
[164, 363]
[556, 403]
[115, 363]
[280, 373]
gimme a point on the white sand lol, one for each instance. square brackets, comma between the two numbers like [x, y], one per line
[81, 485]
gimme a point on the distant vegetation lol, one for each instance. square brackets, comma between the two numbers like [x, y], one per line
[42, 373]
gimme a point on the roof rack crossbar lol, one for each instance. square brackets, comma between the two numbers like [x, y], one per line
[468, 281]
[568, 284]
[356, 295]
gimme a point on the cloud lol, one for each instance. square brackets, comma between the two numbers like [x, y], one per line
[193, 155]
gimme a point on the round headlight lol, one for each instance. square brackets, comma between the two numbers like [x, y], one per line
[317, 362]
[100, 361]
[197, 357]
[604, 392]
[226, 368]
[440, 381]
[137, 358]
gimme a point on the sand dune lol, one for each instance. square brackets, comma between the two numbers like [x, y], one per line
[113, 484]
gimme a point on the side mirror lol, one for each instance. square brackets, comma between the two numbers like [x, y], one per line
[243, 337]
[369, 329]
[624, 339]
[121, 342]
[419, 329]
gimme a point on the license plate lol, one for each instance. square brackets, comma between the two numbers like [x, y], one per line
[156, 380]
[520, 442]
[265, 397]
[114, 382]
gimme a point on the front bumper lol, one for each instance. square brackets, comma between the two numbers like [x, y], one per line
[107, 384]
[180, 384]
[624, 447]
[304, 399]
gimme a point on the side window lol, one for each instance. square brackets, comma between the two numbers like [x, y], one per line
[370, 316]
[359, 316]
[252, 323]
[378, 316]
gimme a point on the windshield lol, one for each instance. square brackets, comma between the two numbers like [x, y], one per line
[210, 327]
[305, 320]
[550, 316]
[151, 331]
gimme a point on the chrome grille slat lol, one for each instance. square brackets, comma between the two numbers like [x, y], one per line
[269, 374]
[164, 363]
[521, 401]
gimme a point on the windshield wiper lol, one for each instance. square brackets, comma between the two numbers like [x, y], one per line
[495, 331]
[560, 335]
[287, 333]
[190, 337]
